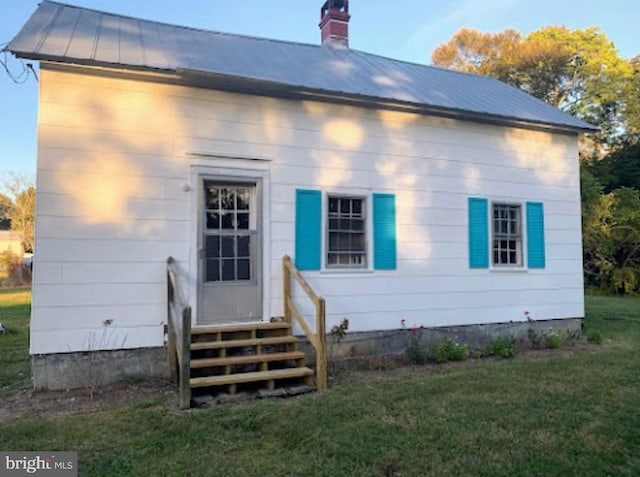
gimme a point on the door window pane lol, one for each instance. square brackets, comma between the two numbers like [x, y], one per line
[212, 270]
[243, 221]
[244, 269]
[228, 246]
[243, 246]
[228, 222]
[212, 246]
[213, 220]
[228, 270]
[242, 197]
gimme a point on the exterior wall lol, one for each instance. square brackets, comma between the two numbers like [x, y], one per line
[118, 160]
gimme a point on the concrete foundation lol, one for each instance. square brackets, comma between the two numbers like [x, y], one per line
[394, 342]
[96, 368]
[93, 369]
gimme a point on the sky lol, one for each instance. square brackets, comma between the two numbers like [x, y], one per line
[403, 29]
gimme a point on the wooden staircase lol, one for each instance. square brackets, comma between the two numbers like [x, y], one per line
[245, 354]
[248, 355]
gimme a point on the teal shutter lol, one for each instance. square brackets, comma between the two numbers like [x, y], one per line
[308, 229]
[535, 235]
[384, 231]
[478, 233]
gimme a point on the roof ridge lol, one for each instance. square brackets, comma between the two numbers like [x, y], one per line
[185, 27]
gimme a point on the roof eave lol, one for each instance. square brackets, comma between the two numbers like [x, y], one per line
[273, 88]
[241, 84]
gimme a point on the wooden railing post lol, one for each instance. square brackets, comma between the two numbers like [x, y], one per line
[185, 362]
[286, 287]
[321, 352]
[172, 357]
[318, 339]
[179, 339]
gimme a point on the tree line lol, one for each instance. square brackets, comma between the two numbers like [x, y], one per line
[581, 72]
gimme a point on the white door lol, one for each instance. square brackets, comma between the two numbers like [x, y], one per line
[229, 252]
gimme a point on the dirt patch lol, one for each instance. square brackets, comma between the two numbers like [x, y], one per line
[27, 403]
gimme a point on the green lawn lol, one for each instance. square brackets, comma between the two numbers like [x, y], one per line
[564, 413]
[15, 306]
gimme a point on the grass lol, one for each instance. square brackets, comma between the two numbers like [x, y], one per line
[15, 307]
[570, 412]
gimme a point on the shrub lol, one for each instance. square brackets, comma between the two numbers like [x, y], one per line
[449, 350]
[535, 338]
[502, 346]
[413, 347]
[594, 337]
[556, 338]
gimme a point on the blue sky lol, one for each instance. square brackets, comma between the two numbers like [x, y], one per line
[406, 29]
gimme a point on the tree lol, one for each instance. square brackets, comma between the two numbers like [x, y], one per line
[578, 71]
[21, 212]
[5, 207]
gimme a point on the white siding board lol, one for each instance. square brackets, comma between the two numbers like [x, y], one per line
[93, 317]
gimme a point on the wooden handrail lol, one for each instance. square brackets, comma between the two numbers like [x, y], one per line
[178, 335]
[317, 340]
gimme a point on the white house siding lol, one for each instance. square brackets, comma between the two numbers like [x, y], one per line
[115, 155]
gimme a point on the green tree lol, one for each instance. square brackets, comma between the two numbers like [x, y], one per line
[578, 71]
[21, 212]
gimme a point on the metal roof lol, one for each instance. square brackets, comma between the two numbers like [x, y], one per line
[69, 34]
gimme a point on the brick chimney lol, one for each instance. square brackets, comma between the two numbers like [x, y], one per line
[334, 23]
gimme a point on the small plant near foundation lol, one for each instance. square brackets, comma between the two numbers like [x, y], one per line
[594, 337]
[414, 350]
[503, 346]
[338, 332]
[449, 350]
[89, 371]
[556, 338]
[535, 338]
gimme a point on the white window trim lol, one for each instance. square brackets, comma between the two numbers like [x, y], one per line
[367, 195]
[524, 268]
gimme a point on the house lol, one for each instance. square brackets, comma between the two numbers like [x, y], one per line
[402, 191]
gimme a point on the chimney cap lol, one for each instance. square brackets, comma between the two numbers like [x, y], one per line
[340, 5]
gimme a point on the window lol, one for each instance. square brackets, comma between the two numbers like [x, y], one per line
[228, 233]
[346, 244]
[507, 235]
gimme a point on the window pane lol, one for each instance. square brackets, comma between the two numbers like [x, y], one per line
[345, 206]
[243, 221]
[228, 222]
[333, 205]
[357, 207]
[243, 246]
[345, 224]
[228, 247]
[228, 199]
[333, 241]
[357, 224]
[332, 259]
[243, 270]
[212, 247]
[213, 220]
[333, 224]
[212, 273]
[228, 270]
[243, 199]
[212, 197]
[357, 242]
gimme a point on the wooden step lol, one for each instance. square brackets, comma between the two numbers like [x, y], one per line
[250, 377]
[254, 358]
[232, 327]
[243, 343]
